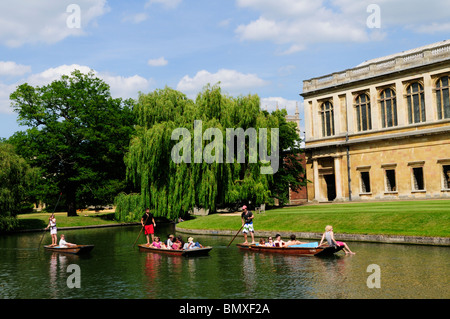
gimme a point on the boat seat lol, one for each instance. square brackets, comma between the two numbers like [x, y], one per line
[308, 245]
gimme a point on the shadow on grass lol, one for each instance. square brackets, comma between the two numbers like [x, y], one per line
[31, 223]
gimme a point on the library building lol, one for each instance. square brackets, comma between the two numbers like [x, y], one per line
[380, 130]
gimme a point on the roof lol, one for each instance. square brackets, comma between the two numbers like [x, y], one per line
[403, 53]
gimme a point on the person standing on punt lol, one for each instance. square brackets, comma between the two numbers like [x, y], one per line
[53, 229]
[148, 222]
[247, 223]
[329, 236]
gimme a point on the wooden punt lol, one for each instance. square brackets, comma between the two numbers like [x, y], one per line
[76, 249]
[296, 250]
[177, 252]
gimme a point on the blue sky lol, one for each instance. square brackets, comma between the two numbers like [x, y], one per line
[263, 47]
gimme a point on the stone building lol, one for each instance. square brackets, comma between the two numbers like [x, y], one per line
[380, 130]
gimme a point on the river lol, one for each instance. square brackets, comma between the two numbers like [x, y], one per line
[116, 270]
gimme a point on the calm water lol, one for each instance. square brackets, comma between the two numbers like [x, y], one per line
[115, 270]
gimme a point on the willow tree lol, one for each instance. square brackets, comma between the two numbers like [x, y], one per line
[180, 157]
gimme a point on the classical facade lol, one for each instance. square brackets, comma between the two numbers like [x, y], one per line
[381, 130]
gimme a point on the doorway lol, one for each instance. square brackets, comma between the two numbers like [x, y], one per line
[331, 186]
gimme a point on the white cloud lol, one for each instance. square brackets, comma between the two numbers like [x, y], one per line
[433, 28]
[231, 82]
[120, 86]
[12, 68]
[157, 62]
[295, 24]
[169, 4]
[45, 21]
[5, 91]
[136, 18]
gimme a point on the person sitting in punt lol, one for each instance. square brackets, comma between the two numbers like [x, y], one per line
[157, 243]
[294, 241]
[177, 244]
[191, 244]
[329, 236]
[262, 242]
[278, 241]
[270, 242]
[169, 241]
[63, 243]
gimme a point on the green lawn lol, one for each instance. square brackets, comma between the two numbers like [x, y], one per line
[412, 218]
[40, 220]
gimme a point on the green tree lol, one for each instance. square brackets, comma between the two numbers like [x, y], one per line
[172, 189]
[16, 180]
[291, 173]
[78, 135]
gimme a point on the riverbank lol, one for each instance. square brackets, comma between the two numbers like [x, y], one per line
[407, 222]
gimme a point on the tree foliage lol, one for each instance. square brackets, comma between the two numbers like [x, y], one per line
[77, 135]
[172, 189]
[16, 180]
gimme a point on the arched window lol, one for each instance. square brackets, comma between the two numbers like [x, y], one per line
[363, 116]
[388, 106]
[443, 98]
[416, 103]
[327, 116]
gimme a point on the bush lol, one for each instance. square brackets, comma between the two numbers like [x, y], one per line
[8, 223]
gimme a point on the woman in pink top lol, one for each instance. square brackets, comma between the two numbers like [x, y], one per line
[157, 243]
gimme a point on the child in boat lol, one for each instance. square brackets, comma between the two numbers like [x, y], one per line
[329, 236]
[278, 241]
[294, 241]
[177, 244]
[270, 242]
[191, 245]
[63, 243]
[169, 241]
[157, 243]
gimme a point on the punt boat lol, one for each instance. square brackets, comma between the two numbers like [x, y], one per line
[176, 252]
[75, 249]
[310, 249]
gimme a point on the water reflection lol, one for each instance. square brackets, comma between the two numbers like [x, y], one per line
[115, 270]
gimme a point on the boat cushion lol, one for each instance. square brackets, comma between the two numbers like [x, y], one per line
[308, 245]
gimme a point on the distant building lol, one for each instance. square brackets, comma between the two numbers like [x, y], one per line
[300, 196]
[380, 130]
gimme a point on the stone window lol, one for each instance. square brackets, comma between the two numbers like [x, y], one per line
[418, 184]
[388, 106]
[363, 116]
[416, 103]
[390, 180]
[446, 172]
[327, 117]
[365, 182]
[443, 98]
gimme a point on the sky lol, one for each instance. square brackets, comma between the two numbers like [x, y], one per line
[263, 47]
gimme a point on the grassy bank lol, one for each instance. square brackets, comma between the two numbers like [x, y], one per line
[411, 218]
[86, 218]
